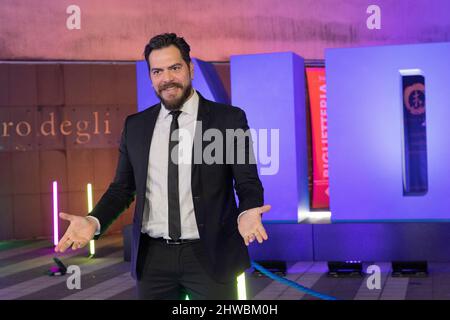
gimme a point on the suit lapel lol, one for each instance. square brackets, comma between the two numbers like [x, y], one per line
[203, 120]
[148, 126]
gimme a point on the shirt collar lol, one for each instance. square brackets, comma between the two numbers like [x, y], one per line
[189, 107]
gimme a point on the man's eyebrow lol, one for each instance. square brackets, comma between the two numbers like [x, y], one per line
[169, 67]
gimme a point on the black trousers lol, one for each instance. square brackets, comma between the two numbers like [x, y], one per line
[172, 271]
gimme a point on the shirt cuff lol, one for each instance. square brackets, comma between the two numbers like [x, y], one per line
[97, 232]
[239, 216]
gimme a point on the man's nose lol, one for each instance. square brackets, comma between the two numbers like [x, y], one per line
[167, 76]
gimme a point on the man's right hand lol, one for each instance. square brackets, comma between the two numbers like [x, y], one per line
[81, 230]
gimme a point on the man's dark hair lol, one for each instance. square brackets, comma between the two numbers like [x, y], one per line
[165, 40]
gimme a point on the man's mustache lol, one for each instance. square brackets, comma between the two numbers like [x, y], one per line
[170, 85]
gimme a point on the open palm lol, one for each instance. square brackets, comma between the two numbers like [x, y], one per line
[80, 231]
[250, 225]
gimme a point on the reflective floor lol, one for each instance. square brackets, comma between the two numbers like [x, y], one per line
[24, 265]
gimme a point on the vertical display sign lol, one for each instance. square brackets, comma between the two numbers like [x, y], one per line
[319, 136]
[415, 163]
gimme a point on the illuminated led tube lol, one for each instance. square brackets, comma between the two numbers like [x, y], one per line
[90, 207]
[55, 214]
[242, 291]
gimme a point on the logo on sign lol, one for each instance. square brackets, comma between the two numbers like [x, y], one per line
[414, 96]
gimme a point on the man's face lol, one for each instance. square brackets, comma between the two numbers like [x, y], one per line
[171, 76]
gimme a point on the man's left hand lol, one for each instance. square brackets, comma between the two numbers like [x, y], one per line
[250, 225]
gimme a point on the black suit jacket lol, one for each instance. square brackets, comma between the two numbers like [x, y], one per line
[212, 185]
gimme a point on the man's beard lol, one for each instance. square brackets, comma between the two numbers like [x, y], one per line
[177, 103]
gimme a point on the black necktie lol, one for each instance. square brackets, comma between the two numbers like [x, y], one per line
[172, 182]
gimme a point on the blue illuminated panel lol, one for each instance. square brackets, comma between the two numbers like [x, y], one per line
[146, 96]
[271, 90]
[366, 134]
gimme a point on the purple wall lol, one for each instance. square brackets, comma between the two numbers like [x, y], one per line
[36, 30]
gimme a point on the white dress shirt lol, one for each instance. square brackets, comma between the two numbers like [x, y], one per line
[155, 220]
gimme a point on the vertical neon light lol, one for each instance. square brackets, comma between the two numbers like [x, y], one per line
[242, 291]
[55, 214]
[90, 207]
